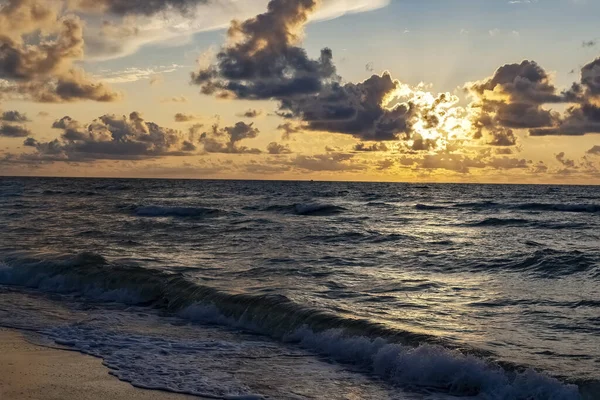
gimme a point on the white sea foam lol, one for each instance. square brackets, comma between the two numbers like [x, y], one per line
[426, 366]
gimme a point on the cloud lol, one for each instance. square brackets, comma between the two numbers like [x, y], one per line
[594, 151]
[590, 78]
[288, 130]
[109, 137]
[276, 148]
[126, 25]
[358, 109]
[13, 131]
[43, 69]
[263, 60]
[174, 99]
[512, 99]
[251, 113]
[13, 116]
[140, 7]
[181, 117]
[30, 142]
[362, 147]
[327, 162]
[577, 121]
[226, 140]
[561, 158]
[153, 75]
[463, 163]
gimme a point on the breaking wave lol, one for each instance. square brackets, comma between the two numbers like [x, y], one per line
[400, 357]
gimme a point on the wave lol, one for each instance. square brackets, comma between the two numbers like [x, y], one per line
[500, 222]
[478, 204]
[547, 263]
[581, 208]
[306, 209]
[425, 207]
[540, 207]
[400, 357]
[181, 212]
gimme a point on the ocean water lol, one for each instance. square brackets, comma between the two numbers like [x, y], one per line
[310, 290]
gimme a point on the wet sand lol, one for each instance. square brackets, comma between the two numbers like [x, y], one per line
[29, 371]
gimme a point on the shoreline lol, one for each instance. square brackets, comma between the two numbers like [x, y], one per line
[29, 371]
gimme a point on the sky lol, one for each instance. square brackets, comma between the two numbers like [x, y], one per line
[497, 91]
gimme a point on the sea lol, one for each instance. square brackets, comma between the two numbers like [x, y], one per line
[311, 290]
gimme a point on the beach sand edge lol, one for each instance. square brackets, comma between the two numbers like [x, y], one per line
[29, 371]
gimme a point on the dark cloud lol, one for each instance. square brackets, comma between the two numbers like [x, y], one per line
[577, 121]
[526, 82]
[226, 140]
[252, 113]
[264, 61]
[594, 150]
[513, 98]
[14, 131]
[141, 7]
[590, 77]
[584, 116]
[373, 147]
[13, 116]
[110, 137]
[277, 148]
[30, 142]
[356, 109]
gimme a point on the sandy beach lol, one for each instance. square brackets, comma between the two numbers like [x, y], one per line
[29, 372]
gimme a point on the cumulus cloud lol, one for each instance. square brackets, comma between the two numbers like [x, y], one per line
[594, 150]
[14, 131]
[263, 60]
[251, 113]
[43, 69]
[561, 158]
[512, 99]
[181, 117]
[584, 116]
[109, 137]
[373, 147]
[227, 139]
[277, 148]
[13, 116]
